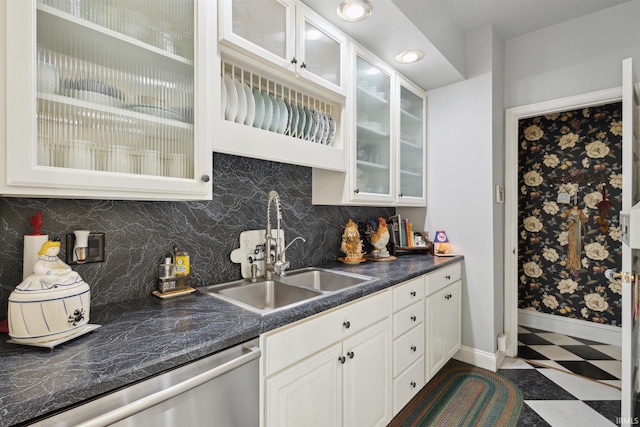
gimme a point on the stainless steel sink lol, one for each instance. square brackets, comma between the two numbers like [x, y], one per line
[298, 287]
[325, 280]
[261, 297]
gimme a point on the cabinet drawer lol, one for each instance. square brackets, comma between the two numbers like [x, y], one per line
[441, 278]
[407, 385]
[292, 343]
[408, 293]
[408, 318]
[407, 349]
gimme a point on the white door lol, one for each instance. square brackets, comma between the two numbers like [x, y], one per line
[630, 256]
[308, 393]
[367, 377]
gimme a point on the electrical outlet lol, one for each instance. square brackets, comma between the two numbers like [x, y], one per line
[95, 251]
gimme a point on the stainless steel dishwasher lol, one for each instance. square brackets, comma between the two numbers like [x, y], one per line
[219, 391]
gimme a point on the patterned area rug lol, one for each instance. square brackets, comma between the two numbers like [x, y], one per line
[463, 395]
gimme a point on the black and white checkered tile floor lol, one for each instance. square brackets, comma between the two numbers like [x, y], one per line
[565, 381]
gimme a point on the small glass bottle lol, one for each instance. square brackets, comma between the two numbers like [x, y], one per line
[165, 270]
[181, 264]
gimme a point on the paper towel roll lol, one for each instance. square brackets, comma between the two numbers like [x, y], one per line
[32, 245]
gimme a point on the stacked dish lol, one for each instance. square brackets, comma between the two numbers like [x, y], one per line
[93, 91]
[263, 110]
[155, 110]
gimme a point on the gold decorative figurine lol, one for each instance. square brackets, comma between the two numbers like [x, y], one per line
[351, 243]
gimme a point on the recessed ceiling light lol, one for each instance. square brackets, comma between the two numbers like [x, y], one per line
[409, 56]
[355, 10]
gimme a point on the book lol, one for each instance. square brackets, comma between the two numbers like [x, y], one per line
[395, 229]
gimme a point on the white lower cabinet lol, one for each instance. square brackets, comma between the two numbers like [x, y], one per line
[443, 317]
[346, 382]
[408, 341]
[308, 393]
[367, 379]
[359, 364]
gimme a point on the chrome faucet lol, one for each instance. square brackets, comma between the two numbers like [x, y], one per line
[279, 265]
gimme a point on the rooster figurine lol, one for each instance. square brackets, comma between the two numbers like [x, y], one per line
[379, 240]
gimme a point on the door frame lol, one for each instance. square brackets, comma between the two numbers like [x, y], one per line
[512, 116]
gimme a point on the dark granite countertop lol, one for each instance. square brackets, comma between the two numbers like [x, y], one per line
[144, 337]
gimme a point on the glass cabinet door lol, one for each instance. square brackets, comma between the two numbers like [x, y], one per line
[264, 28]
[321, 51]
[373, 133]
[115, 86]
[412, 145]
[111, 104]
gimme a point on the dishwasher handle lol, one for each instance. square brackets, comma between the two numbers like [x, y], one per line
[168, 393]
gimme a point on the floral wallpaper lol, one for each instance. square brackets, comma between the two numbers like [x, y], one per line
[570, 181]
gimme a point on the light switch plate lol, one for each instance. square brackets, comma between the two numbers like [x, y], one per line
[96, 248]
[499, 194]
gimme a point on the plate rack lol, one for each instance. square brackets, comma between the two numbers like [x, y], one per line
[252, 99]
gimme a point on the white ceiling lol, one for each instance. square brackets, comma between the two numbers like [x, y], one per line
[439, 28]
[513, 18]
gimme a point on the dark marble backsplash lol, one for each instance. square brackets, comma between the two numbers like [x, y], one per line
[138, 234]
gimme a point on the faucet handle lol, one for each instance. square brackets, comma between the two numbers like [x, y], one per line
[280, 267]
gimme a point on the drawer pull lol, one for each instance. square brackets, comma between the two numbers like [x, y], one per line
[342, 359]
[414, 318]
[351, 354]
[413, 384]
[448, 277]
[346, 325]
[414, 348]
[413, 293]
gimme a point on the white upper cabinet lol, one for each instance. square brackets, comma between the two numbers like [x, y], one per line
[411, 159]
[387, 145]
[321, 51]
[289, 35]
[107, 99]
[374, 158]
[281, 83]
[265, 28]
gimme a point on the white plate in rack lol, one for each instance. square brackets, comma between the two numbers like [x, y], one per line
[332, 129]
[241, 114]
[251, 105]
[232, 98]
[293, 127]
[259, 102]
[268, 111]
[275, 118]
[302, 119]
[284, 115]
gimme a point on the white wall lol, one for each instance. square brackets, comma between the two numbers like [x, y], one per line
[498, 179]
[460, 184]
[571, 58]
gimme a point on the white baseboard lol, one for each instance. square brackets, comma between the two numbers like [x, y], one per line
[479, 358]
[606, 334]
